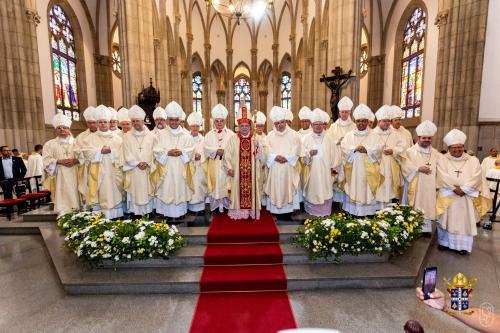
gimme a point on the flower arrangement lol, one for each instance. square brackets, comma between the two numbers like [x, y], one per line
[93, 238]
[391, 230]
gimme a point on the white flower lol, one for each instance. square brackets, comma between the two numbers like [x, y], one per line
[126, 221]
[364, 235]
[108, 235]
[74, 235]
[129, 256]
[140, 235]
[116, 258]
[126, 240]
[170, 242]
[106, 255]
[152, 240]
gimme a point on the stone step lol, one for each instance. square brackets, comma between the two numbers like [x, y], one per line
[78, 278]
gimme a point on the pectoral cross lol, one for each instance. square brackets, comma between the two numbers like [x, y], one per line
[428, 164]
[140, 149]
[458, 172]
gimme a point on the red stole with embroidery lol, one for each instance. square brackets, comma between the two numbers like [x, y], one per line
[245, 168]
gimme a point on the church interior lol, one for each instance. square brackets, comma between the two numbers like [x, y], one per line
[436, 60]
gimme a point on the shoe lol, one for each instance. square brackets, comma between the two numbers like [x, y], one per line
[462, 252]
[442, 248]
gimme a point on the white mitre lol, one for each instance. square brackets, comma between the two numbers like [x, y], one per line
[277, 114]
[61, 120]
[397, 112]
[384, 112]
[219, 111]
[289, 114]
[159, 113]
[345, 104]
[136, 112]
[362, 111]
[195, 118]
[317, 116]
[305, 113]
[88, 114]
[114, 113]
[326, 116]
[102, 113]
[183, 115]
[426, 128]
[454, 137]
[173, 110]
[123, 115]
[260, 118]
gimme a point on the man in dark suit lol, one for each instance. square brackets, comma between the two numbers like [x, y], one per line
[12, 167]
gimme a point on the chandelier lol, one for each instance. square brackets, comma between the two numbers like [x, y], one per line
[240, 9]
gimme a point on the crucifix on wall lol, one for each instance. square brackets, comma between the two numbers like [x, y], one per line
[335, 83]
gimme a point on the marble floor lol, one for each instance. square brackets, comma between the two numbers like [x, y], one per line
[32, 300]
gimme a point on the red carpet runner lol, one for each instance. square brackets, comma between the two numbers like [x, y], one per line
[243, 284]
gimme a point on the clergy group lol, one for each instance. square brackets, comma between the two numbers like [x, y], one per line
[119, 166]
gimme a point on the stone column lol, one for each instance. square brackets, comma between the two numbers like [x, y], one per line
[263, 101]
[276, 75]
[230, 87]
[22, 122]
[376, 66]
[103, 79]
[344, 40]
[207, 82]
[137, 47]
[254, 93]
[462, 32]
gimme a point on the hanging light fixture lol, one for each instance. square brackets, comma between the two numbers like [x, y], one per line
[240, 9]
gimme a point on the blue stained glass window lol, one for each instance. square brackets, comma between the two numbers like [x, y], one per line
[197, 91]
[286, 90]
[241, 95]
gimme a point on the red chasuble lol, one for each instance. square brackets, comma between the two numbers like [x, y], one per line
[245, 171]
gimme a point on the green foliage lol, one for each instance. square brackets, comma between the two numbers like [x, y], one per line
[392, 229]
[93, 238]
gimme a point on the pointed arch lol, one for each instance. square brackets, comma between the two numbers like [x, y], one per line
[215, 17]
[67, 59]
[203, 21]
[196, 58]
[409, 61]
[242, 69]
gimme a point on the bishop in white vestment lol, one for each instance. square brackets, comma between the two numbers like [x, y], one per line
[160, 118]
[103, 151]
[284, 149]
[463, 196]
[173, 151]
[361, 154]
[319, 163]
[397, 115]
[305, 115]
[418, 167]
[197, 202]
[260, 125]
[60, 165]
[392, 147]
[489, 161]
[336, 132]
[139, 164]
[124, 121]
[214, 147]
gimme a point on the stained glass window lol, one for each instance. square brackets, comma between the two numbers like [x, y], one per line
[115, 60]
[241, 95]
[63, 63]
[286, 90]
[363, 61]
[412, 64]
[197, 91]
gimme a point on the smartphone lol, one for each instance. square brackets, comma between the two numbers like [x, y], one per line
[429, 281]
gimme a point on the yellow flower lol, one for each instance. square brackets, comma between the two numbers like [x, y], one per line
[140, 250]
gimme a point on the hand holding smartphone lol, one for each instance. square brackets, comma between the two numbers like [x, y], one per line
[429, 281]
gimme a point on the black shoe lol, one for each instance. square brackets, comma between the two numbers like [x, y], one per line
[442, 248]
[462, 252]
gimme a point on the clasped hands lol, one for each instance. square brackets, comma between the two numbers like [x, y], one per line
[68, 162]
[142, 165]
[174, 152]
[230, 173]
[458, 191]
[106, 150]
[197, 157]
[425, 169]
[313, 152]
[388, 151]
[220, 152]
[280, 159]
[361, 149]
